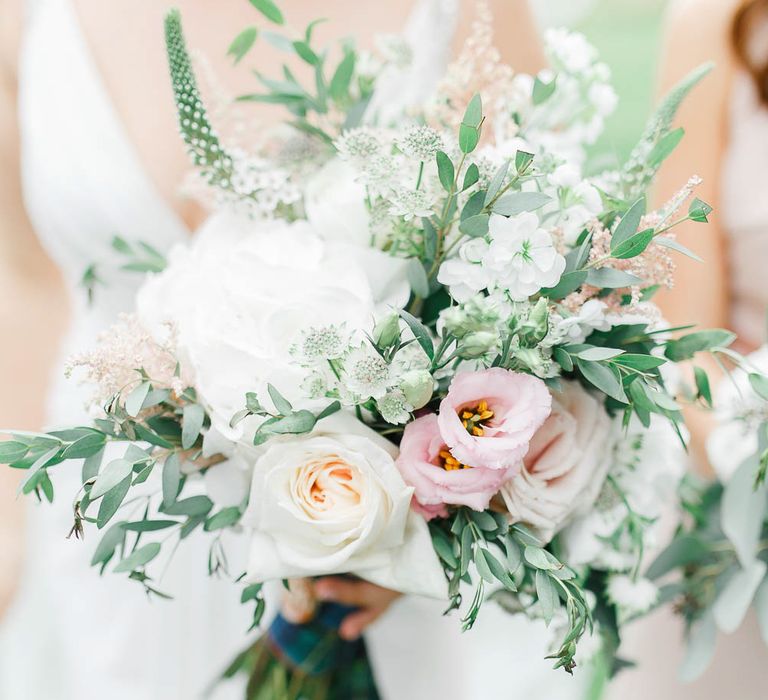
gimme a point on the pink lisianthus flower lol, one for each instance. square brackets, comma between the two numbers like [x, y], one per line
[426, 464]
[489, 417]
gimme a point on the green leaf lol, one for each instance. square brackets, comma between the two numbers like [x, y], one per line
[111, 502]
[608, 278]
[523, 160]
[699, 211]
[496, 182]
[642, 363]
[445, 170]
[420, 332]
[761, 609]
[475, 205]
[475, 226]
[306, 53]
[342, 77]
[270, 10]
[141, 557]
[91, 466]
[282, 405]
[442, 546]
[682, 551]
[632, 246]
[686, 347]
[417, 278]
[743, 510]
[242, 43]
[192, 423]
[115, 472]
[11, 451]
[226, 517]
[113, 538]
[482, 565]
[665, 146]
[513, 203]
[545, 590]
[329, 410]
[702, 638]
[538, 559]
[191, 507]
[251, 592]
[469, 131]
[734, 600]
[135, 400]
[171, 479]
[629, 223]
[672, 244]
[470, 177]
[602, 377]
[543, 91]
[702, 385]
[568, 283]
[294, 423]
[86, 446]
[149, 525]
[514, 555]
[759, 384]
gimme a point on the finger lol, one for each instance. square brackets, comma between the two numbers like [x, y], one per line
[340, 590]
[353, 625]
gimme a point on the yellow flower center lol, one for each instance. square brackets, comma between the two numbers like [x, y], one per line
[450, 463]
[474, 419]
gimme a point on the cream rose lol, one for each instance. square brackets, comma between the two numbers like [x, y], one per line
[565, 466]
[334, 502]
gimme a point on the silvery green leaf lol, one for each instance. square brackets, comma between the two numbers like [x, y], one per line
[111, 502]
[700, 649]
[445, 170]
[36, 466]
[604, 378]
[111, 475]
[191, 507]
[86, 446]
[633, 246]
[568, 283]
[171, 479]
[514, 555]
[282, 405]
[270, 10]
[475, 226]
[743, 510]
[192, 423]
[759, 384]
[596, 354]
[608, 278]
[537, 558]
[10, 451]
[761, 609]
[513, 203]
[665, 146]
[342, 77]
[543, 91]
[482, 565]
[545, 590]
[295, 423]
[242, 43]
[687, 346]
[629, 223]
[470, 177]
[417, 278]
[135, 400]
[91, 466]
[699, 211]
[679, 247]
[226, 517]
[141, 557]
[733, 602]
[523, 159]
[496, 182]
[420, 332]
[111, 540]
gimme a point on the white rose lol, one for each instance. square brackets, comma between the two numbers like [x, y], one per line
[334, 502]
[565, 466]
[242, 291]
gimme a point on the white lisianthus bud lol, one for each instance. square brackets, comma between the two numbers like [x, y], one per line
[417, 385]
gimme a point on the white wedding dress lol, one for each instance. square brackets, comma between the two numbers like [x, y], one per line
[74, 635]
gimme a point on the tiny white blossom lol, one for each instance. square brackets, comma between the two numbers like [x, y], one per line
[566, 175]
[358, 144]
[576, 328]
[394, 407]
[465, 275]
[366, 373]
[603, 98]
[632, 597]
[522, 255]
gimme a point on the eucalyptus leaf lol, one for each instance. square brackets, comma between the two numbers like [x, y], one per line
[112, 538]
[597, 354]
[475, 226]
[445, 170]
[342, 77]
[191, 507]
[111, 502]
[602, 377]
[608, 278]
[141, 557]
[672, 244]
[115, 472]
[242, 43]
[743, 511]
[633, 246]
[686, 347]
[545, 590]
[568, 283]
[629, 223]
[700, 649]
[514, 203]
[759, 384]
[496, 182]
[171, 479]
[417, 278]
[282, 405]
[86, 446]
[270, 10]
[135, 400]
[420, 332]
[11, 451]
[226, 517]
[734, 600]
[192, 423]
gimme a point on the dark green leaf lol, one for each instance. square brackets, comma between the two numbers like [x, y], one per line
[113, 538]
[632, 246]
[686, 347]
[699, 211]
[470, 177]
[306, 53]
[420, 332]
[568, 283]
[226, 517]
[602, 377]
[702, 385]
[342, 77]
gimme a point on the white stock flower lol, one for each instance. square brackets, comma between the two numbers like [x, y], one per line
[334, 502]
[522, 256]
[465, 275]
[575, 329]
[240, 294]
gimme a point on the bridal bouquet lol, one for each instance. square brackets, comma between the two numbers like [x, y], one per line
[415, 344]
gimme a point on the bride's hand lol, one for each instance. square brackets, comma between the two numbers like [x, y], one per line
[371, 600]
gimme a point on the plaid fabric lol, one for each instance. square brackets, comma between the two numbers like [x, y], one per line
[314, 649]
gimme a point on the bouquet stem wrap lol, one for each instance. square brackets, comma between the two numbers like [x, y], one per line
[310, 661]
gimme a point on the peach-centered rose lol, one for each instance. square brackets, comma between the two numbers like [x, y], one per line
[334, 502]
[488, 417]
[437, 479]
[566, 464]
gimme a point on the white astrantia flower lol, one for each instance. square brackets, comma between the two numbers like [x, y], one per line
[315, 385]
[394, 407]
[359, 144]
[465, 274]
[411, 204]
[421, 143]
[522, 256]
[366, 374]
[632, 597]
[320, 344]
